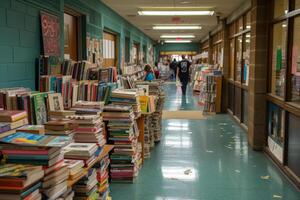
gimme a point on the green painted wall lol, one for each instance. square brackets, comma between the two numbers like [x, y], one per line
[20, 38]
[177, 47]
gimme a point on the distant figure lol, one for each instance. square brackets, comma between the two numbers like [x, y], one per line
[183, 73]
[156, 72]
[173, 66]
[149, 76]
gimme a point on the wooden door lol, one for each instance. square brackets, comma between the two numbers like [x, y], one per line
[71, 36]
[109, 50]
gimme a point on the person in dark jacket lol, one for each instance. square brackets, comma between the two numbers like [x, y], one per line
[173, 66]
[183, 73]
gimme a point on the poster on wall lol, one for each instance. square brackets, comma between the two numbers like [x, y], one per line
[51, 34]
[276, 121]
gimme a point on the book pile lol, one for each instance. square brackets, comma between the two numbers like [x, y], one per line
[34, 129]
[20, 181]
[123, 133]
[127, 98]
[148, 134]
[89, 123]
[102, 168]
[10, 120]
[86, 152]
[60, 114]
[62, 127]
[156, 89]
[60, 84]
[86, 188]
[42, 150]
[9, 97]
[75, 168]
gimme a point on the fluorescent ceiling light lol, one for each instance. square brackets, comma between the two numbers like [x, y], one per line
[175, 12]
[178, 41]
[176, 27]
[177, 36]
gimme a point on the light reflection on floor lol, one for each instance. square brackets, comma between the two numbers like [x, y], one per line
[204, 160]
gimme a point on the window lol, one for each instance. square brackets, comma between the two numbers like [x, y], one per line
[280, 8]
[248, 20]
[279, 59]
[295, 76]
[127, 49]
[109, 49]
[240, 25]
[293, 144]
[245, 107]
[231, 58]
[246, 58]
[238, 58]
[276, 117]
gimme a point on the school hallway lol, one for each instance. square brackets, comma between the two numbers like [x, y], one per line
[207, 159]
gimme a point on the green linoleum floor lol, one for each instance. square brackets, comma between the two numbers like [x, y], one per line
[204, 160]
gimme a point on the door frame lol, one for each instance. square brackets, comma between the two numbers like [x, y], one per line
[81, 33]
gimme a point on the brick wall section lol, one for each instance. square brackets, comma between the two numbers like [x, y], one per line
[19, 43]
[258, 75]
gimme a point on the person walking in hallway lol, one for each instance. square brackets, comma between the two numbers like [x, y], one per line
[173, 66]
[183, 73]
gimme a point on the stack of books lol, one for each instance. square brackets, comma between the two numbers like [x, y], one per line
[127, 98]
[62, 127]
[86, 188]
[147, 136]
[60, 114]
[89, 122]
[34, 129]
[156, 89]
[88, 108]
[9, 97]
[102, 168]
[60, 84]
[123, 133]
[26, 148]
[75, 168]
[89, 129]
[20, 181]
[86, 152]
[23, 99]
[11, 120]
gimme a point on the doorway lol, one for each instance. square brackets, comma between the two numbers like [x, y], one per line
[71, 36]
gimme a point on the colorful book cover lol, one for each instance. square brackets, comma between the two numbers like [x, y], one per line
[40, 108]
[144, 103]
[36, 140]
[15, 170]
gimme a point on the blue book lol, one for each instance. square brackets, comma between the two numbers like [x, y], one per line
[36, 140]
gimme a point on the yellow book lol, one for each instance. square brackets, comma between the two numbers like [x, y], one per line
[144, 103]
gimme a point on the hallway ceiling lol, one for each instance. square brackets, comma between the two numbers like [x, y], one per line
[129, 9]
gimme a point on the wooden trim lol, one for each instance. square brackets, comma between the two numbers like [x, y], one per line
[218, 42]
[244, 8]
[288, 106]
[291, 14]
[284, 169]
[240, 33]
[205, 39]
[71, 11]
